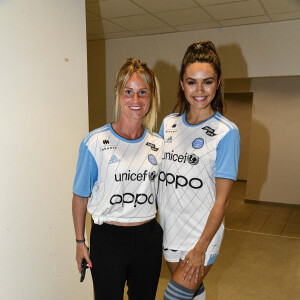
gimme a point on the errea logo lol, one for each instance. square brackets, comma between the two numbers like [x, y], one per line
[105, 145]
[173, 129]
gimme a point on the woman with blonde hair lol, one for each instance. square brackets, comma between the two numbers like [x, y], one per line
[116, 181]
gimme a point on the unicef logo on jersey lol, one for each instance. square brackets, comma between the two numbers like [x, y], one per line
[198, 143]
[152, 175]
[193, 159]
[152, 159]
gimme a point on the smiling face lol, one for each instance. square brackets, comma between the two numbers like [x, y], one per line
[135, 99]
[199, 85]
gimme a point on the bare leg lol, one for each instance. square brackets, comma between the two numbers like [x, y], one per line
[177, 276]
[172, 266]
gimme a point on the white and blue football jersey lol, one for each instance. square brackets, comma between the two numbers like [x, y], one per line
[119, 176]
[194, 155]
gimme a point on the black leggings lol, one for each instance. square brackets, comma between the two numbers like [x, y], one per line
[120, 253]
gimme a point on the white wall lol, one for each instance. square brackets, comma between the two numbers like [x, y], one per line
[43, 117]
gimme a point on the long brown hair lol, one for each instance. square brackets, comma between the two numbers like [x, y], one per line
[203, 52]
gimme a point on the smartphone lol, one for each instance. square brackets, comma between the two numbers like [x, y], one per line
[83, 269]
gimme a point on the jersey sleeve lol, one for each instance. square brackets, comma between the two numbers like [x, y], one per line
[161, 130]
[228, 153]
[86, 172]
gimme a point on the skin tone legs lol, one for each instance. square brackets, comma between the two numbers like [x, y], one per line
[177, 271]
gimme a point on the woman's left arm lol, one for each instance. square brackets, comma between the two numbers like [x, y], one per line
[196, 256]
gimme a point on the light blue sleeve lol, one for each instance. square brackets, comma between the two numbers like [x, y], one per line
[86, 172]
[228, 153]
[161, 130]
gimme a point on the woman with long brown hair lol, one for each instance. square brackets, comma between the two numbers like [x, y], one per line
[199, 167]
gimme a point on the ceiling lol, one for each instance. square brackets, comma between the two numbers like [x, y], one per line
[110, 19]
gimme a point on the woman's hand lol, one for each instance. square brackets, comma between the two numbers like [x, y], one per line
[82, 252]
[79, 205]
[194, 264]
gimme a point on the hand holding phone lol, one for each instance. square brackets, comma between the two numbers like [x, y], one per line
[83, 269]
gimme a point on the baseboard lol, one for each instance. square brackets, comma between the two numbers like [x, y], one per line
[271, 203]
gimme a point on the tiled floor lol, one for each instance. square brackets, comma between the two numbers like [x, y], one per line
[263, 218]
[260, 254]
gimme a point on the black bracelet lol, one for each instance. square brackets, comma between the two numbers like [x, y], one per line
[80, 241]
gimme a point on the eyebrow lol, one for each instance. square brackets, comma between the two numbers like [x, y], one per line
[139, 89]
[190, 78]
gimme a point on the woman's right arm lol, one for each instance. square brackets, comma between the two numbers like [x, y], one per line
[79, 205]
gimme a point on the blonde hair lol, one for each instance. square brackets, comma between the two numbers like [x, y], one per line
[132, 65]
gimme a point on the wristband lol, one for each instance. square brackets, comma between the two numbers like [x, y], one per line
[80, 241]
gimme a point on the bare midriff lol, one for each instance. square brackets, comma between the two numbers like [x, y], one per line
[128, 224]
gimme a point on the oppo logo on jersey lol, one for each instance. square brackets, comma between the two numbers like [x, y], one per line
[131, 198]
[180, 180]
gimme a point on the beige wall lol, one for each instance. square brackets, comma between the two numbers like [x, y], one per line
[43, 117]
[274, 160]
[96, 84]
[238, 109]
[260, 50]
[248, 51]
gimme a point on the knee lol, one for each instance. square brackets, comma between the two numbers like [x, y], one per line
[175, 291]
